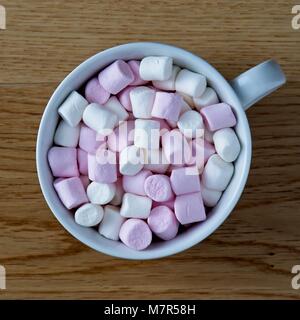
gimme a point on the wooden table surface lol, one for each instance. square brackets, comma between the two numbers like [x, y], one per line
[252, 253]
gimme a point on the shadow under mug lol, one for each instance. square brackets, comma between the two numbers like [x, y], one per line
[240, 93]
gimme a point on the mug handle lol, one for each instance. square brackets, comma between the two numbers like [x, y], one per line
[258, 82]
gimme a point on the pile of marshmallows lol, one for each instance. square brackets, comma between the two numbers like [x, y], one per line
[136, 158]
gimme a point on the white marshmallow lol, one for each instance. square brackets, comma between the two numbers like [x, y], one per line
[146, 134]
[227, 144]
[168, 84]
[134, 206]
[89, 215]
[142, 99]
[131, 160]
[191, 83]
[156, 161]
[99, 118]
[101, 193]
[217, 173]
[208, 98]
[114, 105]
[210, 197]
[65, 135]
[190, 124]
[156, 68]
[72, 108]
[111, 223]
[117, 199]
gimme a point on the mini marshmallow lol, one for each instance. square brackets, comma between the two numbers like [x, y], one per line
[156, 161]
[156, 68]
[158, 188]
[116, 77]
[135, 67]
[191, 83]
[135, 234]
[65, 135]
[168, 84]
[227, 144]
[134, 206]
[189, 208]
[163, 223]
[218, 116]
[111, 223]
[131, 160]
[101, 193]
[217, 173]
[105, 171]
[82, 159]
[99, 119]
[124, 98]
[191, 124]
[135, 184]
[92, 165]
[142, 99]
[167, 105]
[94, 92]
[71, 192]
[208, 98]
[185, 180]
[89, 215]
[72, 109]
[63, 162]
[146, 134]
[114, 105]
[210, 197]
[121, 137]
[117, 199]
[90, 141]
[176, 148]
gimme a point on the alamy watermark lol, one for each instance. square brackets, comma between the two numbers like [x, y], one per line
[2, 17]
[296, 18]
[296, 279]
[2, 278]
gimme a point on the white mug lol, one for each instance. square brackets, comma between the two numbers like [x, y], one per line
[240, 93]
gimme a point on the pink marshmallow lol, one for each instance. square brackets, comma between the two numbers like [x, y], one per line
[105, 168]
[163, 223]
[94, 92]
[135, 184]
[90, 141]
[184, 180]
[135, 234]
[135, 67]
[167, 106]
[71, 192]
[63, 162]
[218, 116]
[82, 159]
[189, 208]
[116, 77]
[121, 137]
[176, 148]
[158, 188]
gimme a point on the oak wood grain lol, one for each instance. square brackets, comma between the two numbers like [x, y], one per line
[252, 254]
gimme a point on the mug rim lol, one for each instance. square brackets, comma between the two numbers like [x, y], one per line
[185, 244]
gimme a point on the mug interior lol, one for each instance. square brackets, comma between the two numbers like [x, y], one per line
[198, 231]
